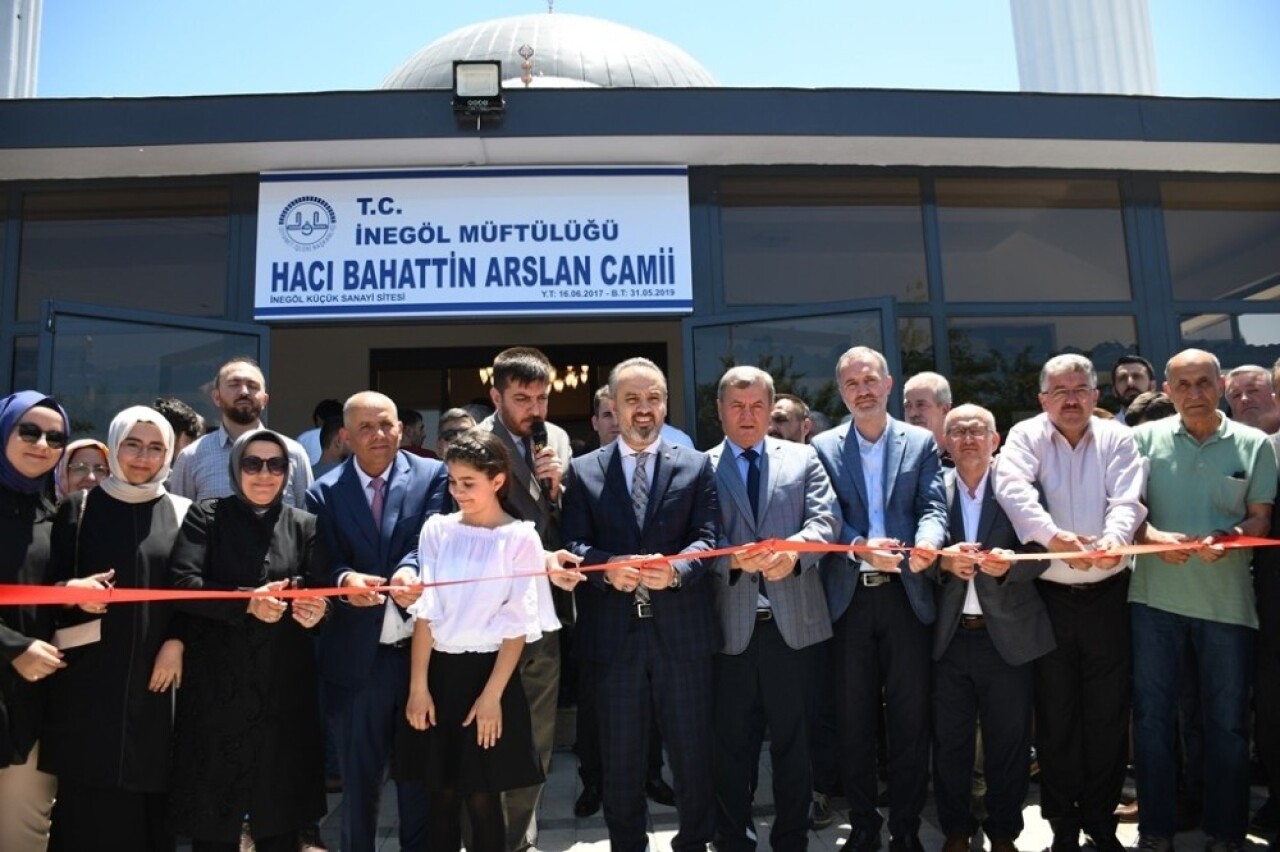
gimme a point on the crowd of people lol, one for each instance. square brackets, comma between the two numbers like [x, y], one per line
[910, 601]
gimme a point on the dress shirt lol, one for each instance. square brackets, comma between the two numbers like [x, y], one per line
[1046, 486]
[971, 512]
[872, 453]
[629, 462]
[310, 441]
[395, 626]
[203, 469]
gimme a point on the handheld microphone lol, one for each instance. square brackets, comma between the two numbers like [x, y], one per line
[538, 434]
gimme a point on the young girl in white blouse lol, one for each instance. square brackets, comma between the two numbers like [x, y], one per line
[469, 735]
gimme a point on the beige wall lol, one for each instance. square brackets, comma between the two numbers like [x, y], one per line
[309, 364]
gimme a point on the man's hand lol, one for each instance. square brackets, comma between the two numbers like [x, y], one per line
[657, 574]
[1065, 543]
[779, 565]
[547, 467]
[625, 578]
[752, 560]
[407, 588]
[1106, 563]
[995, 562]
[884, 560]
[1210, 550]
[560, 569]
[922, 556]
[961, 559]
[1173, 557]
[356, 580]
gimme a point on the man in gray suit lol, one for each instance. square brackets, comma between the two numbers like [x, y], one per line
[771, 608]
[991, 625]
[540, 452]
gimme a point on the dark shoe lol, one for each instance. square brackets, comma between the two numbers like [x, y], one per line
[1152, 843]
[862, 839]
[1066, 842]
[958, 843]
[1127, 812]
[660, 792]
[820, 812]
[588, 803]
[1104, 842]
[906, 843]
[1002, 844]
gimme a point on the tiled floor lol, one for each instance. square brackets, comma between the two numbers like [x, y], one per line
[560, 831]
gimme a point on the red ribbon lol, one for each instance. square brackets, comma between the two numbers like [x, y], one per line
[26, 595]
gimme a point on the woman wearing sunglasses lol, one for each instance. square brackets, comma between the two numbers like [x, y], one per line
[83, 466]
[247, 734]
[110, 713]
[34, 428]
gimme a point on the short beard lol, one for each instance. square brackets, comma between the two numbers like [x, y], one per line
[242, 417]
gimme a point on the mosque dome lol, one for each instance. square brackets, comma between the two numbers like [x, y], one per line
[570, 51]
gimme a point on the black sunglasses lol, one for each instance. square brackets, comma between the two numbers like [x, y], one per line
[450, 434]
[31, 433]
[276, 465]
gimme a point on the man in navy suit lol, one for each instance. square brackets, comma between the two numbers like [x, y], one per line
[650, 632]
[888, 482]
[371, 510]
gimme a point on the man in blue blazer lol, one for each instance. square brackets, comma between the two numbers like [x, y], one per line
[888, 483]
[650, 631]
[772, 612]
[371, 510]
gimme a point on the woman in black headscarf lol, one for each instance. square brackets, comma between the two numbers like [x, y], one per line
[34, 428]
[110, 713]
[247, 732]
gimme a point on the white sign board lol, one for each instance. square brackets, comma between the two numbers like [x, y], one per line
[480, 242]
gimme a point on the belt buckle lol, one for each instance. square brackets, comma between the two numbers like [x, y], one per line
[764, 614]
[873, 579]
[642, 610]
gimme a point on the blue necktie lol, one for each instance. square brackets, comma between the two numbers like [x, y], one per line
[753, 480]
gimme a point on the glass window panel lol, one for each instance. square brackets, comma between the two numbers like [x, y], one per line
[915, 341]
[1237, 339]
[155, 250]
[1224, 239]
[102, 366]
[797, 241]
[996, 361]
[799, 353]
[25, 363]
[1054, 240]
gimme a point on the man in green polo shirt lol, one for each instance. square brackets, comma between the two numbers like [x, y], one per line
[1209, 478]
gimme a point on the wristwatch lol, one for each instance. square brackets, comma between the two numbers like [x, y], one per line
[675, 579]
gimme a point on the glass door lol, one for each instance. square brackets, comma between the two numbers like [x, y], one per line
[799, 348]
[97, 361]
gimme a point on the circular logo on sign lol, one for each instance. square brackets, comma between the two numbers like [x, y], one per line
[307, 223]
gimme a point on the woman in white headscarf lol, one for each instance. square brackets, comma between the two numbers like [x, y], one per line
[108, 723]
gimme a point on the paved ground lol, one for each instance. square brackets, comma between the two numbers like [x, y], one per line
[560, 831]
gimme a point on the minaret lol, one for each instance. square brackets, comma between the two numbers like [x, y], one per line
[1089, 46]
[19, 47]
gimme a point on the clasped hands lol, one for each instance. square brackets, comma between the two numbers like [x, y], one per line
[653, 572]
[1065, 542]
[965, 559]
[883, 558]
[1208, 547]
[763, 559]
[307, 612]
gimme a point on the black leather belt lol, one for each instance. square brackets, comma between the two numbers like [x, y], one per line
[973, 622]
[641, 610]
[1077, 588]
[875, 579]
[399, 643]
[764, 614]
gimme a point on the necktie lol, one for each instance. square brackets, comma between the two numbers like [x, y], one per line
[377, 484]
[640, 502]
[753, 480]
[640, 488]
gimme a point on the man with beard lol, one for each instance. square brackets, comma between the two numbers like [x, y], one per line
[926, 399]
[1131, 375]
[202, 470]
[651, 633]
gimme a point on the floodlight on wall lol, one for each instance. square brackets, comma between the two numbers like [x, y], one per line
[477, 90]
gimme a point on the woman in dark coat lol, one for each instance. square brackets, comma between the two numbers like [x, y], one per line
[34, 428]
[110, 714]
[247, 733]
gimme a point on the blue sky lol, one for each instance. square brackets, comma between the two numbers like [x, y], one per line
[1223, 48]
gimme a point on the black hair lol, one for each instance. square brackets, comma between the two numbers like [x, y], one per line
[1148, 406]
[522, 365]
[325, 409]
[328, 429]
[182, 417]
[1133, 359]
[484, 451]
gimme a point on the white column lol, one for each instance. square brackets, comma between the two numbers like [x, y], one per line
[1089, 46]
[19, 47]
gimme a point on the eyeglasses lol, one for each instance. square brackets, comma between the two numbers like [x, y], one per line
[977, 432]
[81, 468]
[55, 439]
[1063, 394]
[276, 465]
[450, 434]
[134, 447]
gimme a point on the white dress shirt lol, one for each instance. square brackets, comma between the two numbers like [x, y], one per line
[872, 453]
[971, 511]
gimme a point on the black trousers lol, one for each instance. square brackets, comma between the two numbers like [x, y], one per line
[972, 685]
[1266, 687]
[277, 843]
[879, 643]
[89, 817]
[769, 678]
[823, 754]
[1083, 691]
[587, 734]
